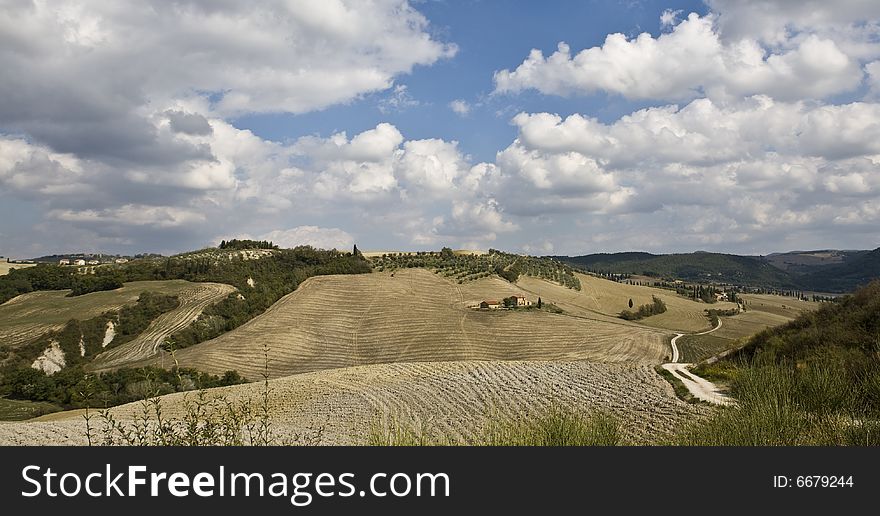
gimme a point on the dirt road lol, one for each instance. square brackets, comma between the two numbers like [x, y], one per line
[700, 388]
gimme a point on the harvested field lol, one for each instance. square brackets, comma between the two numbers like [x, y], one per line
[451, 400]
[26, 317]
[412, 316]
[5, 266]
[193, 299]
[601, 296]
[735, 329]
[788, 307]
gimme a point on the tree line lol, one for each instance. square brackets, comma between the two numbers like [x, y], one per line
[246, 244]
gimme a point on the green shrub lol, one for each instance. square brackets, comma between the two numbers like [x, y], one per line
[657, 306]
[556, 427]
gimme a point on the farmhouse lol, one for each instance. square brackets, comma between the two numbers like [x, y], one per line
[79, 262]
[490, 305]
[64, 262]
[522, 301]
[94, 262]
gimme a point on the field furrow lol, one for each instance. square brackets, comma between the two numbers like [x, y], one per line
[412, 316]
[193, 300]
[452, 401]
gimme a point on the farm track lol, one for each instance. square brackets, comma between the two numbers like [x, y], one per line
[414, 316]
[193, 301]
[452, 401]
[699, 387]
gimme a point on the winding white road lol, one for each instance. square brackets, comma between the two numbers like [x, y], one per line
[700, 388]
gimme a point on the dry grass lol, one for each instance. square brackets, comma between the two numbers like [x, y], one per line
[5, 266]
[603, 297]
[788, 307]
[412, 316]
[453, 401]
[737, 328]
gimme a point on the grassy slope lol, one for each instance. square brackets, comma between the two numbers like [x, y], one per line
[764, 311]
[600, 297]
[814, 380]
[25, 317]
[193, 301]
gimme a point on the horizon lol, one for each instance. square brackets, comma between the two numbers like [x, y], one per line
[402, 250]
[565, 129]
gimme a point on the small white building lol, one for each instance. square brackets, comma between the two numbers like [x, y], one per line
[64, 261]
[79, 262]
[94, 262]
[522, 301]
[121, 260]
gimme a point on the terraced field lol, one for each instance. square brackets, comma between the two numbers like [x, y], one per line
[413, 315]
[450, 400]
[193, 299]
[26, 317]
[609, 298]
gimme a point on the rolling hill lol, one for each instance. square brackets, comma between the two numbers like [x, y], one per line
[27, 316]
[697, 267]
[414, 315]
[817, 271]
[854, 271]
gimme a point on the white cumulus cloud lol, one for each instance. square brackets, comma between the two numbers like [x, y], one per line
[318, 237]
[694, 60]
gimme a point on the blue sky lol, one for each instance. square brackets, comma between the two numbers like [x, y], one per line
[490, 35]
[745, 126]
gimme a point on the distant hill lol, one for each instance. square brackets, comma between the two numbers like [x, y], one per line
[818, 271]
[856, 270]
[698, 267]
[806, 262]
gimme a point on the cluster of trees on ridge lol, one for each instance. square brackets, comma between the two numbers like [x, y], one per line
[246, 244]
[469, 267]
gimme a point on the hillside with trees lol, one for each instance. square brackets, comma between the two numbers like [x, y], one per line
[462, 268]
[55, 277]
[814, 380]
[856, 270]
[696, 267]
[848, 271]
